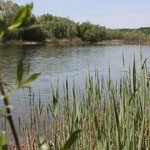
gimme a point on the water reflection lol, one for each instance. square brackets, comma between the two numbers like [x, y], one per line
[63, 62]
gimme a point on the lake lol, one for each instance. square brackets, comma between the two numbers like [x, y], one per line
[65, 62]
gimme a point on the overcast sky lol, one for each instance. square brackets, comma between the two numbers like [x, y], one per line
[109, 13]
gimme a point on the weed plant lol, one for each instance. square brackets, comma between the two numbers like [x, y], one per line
[110, 115]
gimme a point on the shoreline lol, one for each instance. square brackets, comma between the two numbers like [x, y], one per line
[75, 41]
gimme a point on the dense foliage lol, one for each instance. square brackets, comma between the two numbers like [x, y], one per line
[57, 27]
[53, 27]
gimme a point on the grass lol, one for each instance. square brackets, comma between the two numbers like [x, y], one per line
[110, 115]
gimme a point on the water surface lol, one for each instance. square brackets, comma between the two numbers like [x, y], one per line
[61, 62]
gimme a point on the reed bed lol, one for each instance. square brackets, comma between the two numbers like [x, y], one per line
[109, 115]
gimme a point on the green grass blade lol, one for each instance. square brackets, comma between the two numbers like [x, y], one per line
[117, 125]
[71, 140]
[3, 141]
[141, 137]
[19, 72]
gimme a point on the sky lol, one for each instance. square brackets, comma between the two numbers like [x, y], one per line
[109, 13]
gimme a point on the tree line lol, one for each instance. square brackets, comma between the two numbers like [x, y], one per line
[53, 27]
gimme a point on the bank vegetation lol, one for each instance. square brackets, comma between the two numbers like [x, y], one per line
[55, 29]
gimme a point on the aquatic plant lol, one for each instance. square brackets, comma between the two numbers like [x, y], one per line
[110, 115]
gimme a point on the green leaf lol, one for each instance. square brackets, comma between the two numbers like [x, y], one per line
[42, 144]
[32, 78]
[71, 140]
[35, 26]
[117, 125]
[3, 141]
[22, 16]
[19, 72]
[144, 63]
[1, 35]
[24, 87]
[97, 129]
[134, 76]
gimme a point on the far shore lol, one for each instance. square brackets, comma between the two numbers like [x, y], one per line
[76, 41]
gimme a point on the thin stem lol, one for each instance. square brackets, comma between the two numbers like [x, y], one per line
[10, 119]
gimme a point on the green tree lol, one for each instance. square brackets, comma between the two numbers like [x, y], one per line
[57, 27]
[33, 34]
[147, 32]
[9, 9]
[92, 33]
